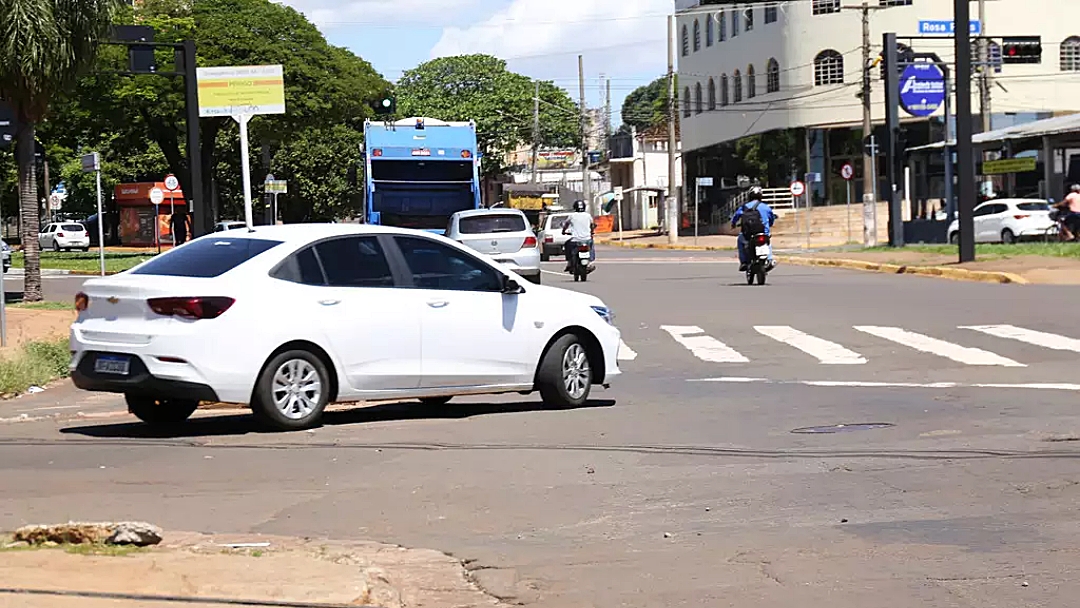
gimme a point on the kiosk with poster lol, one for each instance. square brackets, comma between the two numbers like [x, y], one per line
[137, 214]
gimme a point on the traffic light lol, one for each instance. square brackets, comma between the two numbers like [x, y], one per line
[1025, 49]
[141, 59]
[386, 106]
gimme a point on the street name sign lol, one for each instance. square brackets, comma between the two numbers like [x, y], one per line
[948, 27]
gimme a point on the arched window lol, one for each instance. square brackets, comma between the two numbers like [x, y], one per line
[710, 29]
[712, 94]
[686, 102]
[724, 99]
[828, 68]
[685, 41]
[723, 25]
[697, 35]
[737, 82]
[1070, 54]
[751, 82]
[748, 19]
[772, 77]
[698, 107]
[734, 23]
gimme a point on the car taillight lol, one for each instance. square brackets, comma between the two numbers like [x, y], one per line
[1021, 217]
[549, 239]
[60, 234]
[530, 241]
[82, 301]
[191, 308]
[759, 239]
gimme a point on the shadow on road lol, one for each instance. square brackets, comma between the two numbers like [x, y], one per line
[245, 423]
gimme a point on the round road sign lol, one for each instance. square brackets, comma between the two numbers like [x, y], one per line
[171, 183]
[797, 188]
[156, 196]
[847, 171]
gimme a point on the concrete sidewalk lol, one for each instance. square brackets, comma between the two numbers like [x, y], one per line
[197, 568]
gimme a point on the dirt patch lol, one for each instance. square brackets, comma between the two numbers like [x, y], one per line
[1036, 269]
[25, 326]
[266, 569]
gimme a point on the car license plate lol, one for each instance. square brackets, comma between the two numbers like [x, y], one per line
[583, 255]
[112, 364]
[763, 250]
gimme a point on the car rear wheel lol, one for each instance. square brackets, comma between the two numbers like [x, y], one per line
[292, 391]
[565, 375]
[1008, 237]
[161, 412]
[56, 247]
[954, 238]
[545, 257]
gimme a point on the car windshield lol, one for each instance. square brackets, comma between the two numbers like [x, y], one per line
[558, 221]
[1033, 206]
[72, 227]
[489, 223]
[206, 257]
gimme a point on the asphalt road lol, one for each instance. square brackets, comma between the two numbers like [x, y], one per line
[683, 485]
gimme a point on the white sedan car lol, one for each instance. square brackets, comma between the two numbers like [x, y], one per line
[1007, 221]
[291, 318]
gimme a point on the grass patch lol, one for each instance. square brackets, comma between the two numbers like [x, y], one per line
[93, 549]
[43, 305]
[38, 364]
[995, 251]
[84, 262]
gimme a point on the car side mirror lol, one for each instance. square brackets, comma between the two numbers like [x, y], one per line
[511, 286]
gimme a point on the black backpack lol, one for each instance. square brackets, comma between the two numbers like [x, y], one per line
[751, 219]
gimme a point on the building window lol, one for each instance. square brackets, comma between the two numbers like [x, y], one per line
[734, 23]
[697, 35]
[737, 81]
[772, 77]
[698, 107]
[751, 82]
[712, 94]
[1070, 54]
[894, 2]
[771, 14]
[723, 25]
[709, 29]
[686, 102]
[824, 7]
[828, 68]
[748, 19]
[685, 41]
[724, 100]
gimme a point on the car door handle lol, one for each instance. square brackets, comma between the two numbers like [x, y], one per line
[329, 302]
[438, 303]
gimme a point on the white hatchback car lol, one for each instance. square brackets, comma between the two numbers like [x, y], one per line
[290, 318]
[1007, 221]
[552, 233]
[503, 234]
[64, 235]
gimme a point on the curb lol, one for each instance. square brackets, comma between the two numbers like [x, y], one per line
[663, 246]
[956, 274]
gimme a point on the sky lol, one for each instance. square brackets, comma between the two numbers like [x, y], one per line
[624, 40]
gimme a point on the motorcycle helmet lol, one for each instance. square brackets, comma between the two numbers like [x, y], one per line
[579, 206]
[755, 193]
[1075, 188]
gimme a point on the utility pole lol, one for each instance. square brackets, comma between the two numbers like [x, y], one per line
[536, 130]
[586, 187]
[671, 209]
[869, 150]
[985, 76]
[964, 149]
[607, 109]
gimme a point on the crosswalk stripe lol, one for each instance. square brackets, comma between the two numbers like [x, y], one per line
[926, 344]
[1030, 336]
[625, 352]
[829, 353]
[706, 348]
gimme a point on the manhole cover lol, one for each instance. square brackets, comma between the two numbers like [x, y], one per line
[842, 428]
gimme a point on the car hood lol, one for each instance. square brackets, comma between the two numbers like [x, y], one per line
[564, 296]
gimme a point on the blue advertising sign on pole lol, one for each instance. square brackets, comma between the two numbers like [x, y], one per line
[948, 27]
[922, 89]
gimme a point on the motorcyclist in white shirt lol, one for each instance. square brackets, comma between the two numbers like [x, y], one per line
[580, 226]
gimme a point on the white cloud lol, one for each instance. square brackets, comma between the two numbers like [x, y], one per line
[328, 14]
[545, 36]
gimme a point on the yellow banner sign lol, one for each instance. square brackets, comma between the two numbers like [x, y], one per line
[1009, 165]
[235, 91]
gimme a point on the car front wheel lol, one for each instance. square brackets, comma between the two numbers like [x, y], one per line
[292, 391]
[161, 412]
[565, 375]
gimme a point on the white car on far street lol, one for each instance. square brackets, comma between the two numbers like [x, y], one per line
[1007, 220]
[59, 236]
[290, 318]
[552, 234]
[502, 234]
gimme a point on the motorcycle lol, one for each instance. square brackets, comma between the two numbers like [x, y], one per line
[580, 258]
[758, 246]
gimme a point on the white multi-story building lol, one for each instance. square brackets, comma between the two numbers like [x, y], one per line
[752, 67]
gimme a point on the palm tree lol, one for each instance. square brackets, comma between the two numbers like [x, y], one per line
[45, 45]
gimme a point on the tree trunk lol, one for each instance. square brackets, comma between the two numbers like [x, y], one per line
[29, 212]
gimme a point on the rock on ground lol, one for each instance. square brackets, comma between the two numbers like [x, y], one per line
[78, 533]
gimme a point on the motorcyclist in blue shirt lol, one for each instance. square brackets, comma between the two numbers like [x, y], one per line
[768, 218]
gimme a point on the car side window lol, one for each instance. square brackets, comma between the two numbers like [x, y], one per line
[301, 267]
[981, 211]
[434, 265]
[355, 261]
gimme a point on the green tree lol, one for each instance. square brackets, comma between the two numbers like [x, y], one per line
[480, 88]
[44, 46]
[646, 107]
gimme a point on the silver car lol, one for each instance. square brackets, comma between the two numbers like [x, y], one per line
[502, 234]
[552, 234]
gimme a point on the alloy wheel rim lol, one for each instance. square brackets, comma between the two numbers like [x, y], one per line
[577, 376]
[297, 389]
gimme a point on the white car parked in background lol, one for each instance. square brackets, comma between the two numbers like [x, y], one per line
[64, 235]
[503, 234]
[291, 318]
[1007, 221]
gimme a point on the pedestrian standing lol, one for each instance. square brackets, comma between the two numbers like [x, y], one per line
[178, 223]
